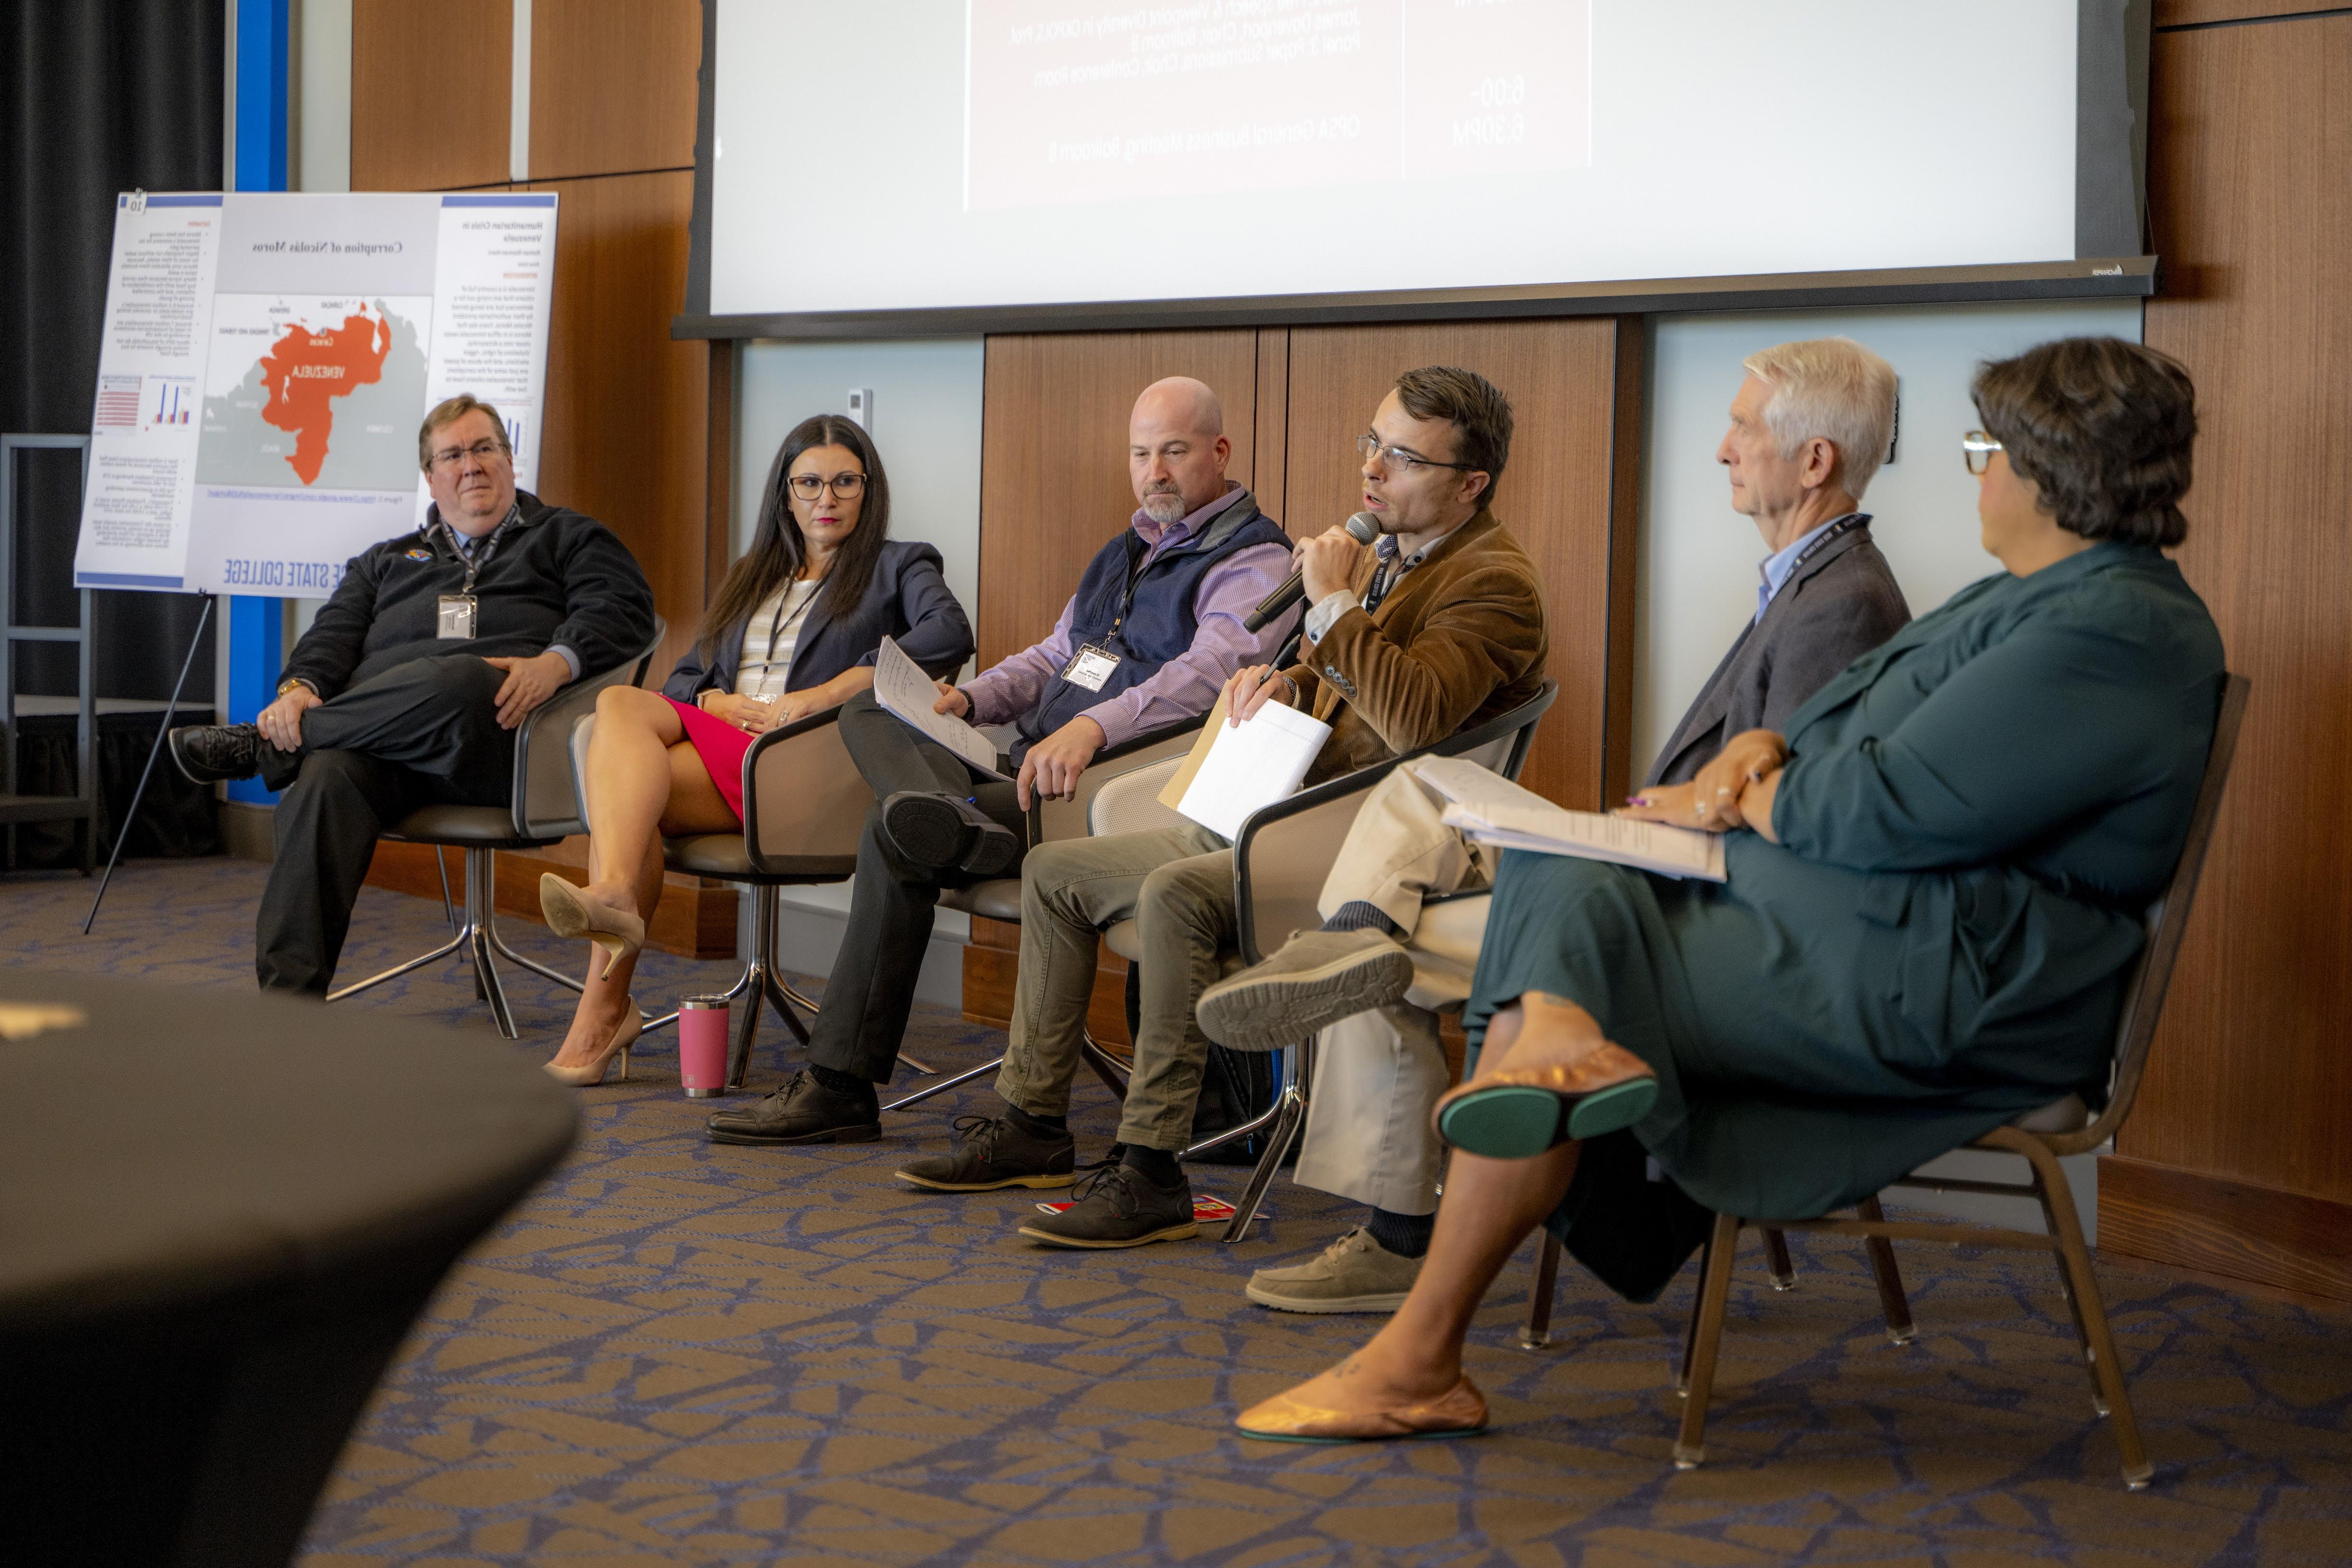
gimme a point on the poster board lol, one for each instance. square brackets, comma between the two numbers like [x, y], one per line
[267, 360]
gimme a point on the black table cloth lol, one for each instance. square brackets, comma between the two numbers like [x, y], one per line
[219, 1215]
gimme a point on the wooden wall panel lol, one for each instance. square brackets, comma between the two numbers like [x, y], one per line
[432, 86]
[2251, 190]
[1559, 494]
[588, 57]
[1053, 471]
[626, 407]
[2191, 12]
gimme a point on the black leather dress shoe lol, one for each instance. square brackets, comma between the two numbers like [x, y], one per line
[803, 1111]
[208, 754]
[947, 832]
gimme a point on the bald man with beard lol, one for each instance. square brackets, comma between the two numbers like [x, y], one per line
[1147, 641]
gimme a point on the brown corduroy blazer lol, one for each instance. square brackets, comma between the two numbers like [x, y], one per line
[1459, 640]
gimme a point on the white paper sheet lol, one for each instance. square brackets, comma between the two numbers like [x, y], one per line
[1253, 765]
[902, 687]
[1493, 810]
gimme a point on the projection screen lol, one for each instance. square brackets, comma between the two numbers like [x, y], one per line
[911, 165]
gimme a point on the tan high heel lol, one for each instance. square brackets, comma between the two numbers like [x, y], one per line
[632, 1023]
[569, 911]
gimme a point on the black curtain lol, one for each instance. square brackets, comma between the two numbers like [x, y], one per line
[100, 95]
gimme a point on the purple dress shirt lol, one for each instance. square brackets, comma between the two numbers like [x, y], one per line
[1186, 686]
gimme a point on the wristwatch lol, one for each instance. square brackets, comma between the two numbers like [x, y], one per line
[291, 681]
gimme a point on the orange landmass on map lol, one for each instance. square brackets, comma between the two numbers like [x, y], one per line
[305, 372]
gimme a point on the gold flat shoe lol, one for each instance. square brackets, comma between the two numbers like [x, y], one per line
[569, 911]
[1459, 1412]
[632, 1023]
[1532, 1105]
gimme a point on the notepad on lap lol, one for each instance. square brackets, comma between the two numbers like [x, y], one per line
[1493, 810]
[902, 689]
[1250, 764]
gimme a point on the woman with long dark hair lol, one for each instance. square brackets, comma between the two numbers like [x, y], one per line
[793, 630]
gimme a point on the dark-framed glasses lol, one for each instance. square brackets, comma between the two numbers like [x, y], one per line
[1977, 449]
[1400, 460]
[808, 487]
[481, 451]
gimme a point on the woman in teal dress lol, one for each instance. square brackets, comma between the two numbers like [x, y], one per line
[1936, 887]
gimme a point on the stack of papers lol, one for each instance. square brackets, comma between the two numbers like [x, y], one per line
[1491, 809]
[1234, 769]
[902, 689]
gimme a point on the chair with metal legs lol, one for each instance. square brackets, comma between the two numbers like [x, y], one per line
[545, 808]
[2041, 1138]
[1281, 858]
[1051, 820]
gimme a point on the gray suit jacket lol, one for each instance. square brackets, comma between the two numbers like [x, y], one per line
[1837, 606]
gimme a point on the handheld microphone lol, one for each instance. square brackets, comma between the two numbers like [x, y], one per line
[1363, 528]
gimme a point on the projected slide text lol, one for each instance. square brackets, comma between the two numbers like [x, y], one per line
[1069, 104]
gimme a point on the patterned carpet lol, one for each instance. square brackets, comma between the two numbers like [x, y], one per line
[682, 1353]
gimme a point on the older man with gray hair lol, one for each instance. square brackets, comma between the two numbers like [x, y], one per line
[1809, 426]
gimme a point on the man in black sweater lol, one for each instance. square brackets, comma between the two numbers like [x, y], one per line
[408, 689]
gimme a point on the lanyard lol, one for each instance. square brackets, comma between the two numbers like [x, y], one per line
[1846, 524]
[778, 622]
[481, 555]
[1138, 561]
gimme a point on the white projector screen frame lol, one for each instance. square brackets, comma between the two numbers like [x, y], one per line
[1000, 215]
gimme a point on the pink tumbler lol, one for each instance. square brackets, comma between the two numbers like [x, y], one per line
[702, 1046]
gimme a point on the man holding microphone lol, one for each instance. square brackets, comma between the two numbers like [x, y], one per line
[1438, 628]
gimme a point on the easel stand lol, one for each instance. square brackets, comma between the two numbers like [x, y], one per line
[163, 732]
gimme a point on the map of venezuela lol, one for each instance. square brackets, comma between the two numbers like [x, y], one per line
[306, 371]
[314, 394]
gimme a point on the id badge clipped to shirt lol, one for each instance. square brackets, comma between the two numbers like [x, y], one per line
[457, 617]
[1090, 666]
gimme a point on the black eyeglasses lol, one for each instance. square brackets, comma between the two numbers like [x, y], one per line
[1400, 460]
[808, 487]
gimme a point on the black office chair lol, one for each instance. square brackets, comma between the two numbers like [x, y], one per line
[546, 808]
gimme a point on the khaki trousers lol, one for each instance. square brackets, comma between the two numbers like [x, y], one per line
[1177, 885]
[1398, 852]
[1379, 1074]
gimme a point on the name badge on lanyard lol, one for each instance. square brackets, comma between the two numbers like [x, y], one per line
[457, 616]
[1090, 666]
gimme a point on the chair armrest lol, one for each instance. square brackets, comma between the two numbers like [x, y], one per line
[1129, 802]
[547, 801]
[1058, 820]
[804, 801]
[1285, 850]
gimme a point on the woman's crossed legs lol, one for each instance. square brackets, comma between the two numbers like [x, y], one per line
[643, 782]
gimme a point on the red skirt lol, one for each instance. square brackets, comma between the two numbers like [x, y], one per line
[720, 745]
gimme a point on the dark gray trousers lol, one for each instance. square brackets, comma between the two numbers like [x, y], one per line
[421, 733]
[893, 903]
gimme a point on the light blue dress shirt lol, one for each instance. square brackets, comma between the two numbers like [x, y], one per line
[1777, 566]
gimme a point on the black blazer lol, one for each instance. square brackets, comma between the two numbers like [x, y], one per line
[907, 600]
[1837, 606]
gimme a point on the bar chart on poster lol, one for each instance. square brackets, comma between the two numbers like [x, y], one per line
[267, 360]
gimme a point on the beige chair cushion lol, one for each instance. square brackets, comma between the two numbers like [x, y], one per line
[708, 855]
[996, 901]
[1129, 802]
[2067, 1115]
[478, 826]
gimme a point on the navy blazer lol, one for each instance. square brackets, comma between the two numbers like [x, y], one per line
[906, 600]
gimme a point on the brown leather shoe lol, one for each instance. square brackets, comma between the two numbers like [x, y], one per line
[1541, 1098]
[1459, 1412]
